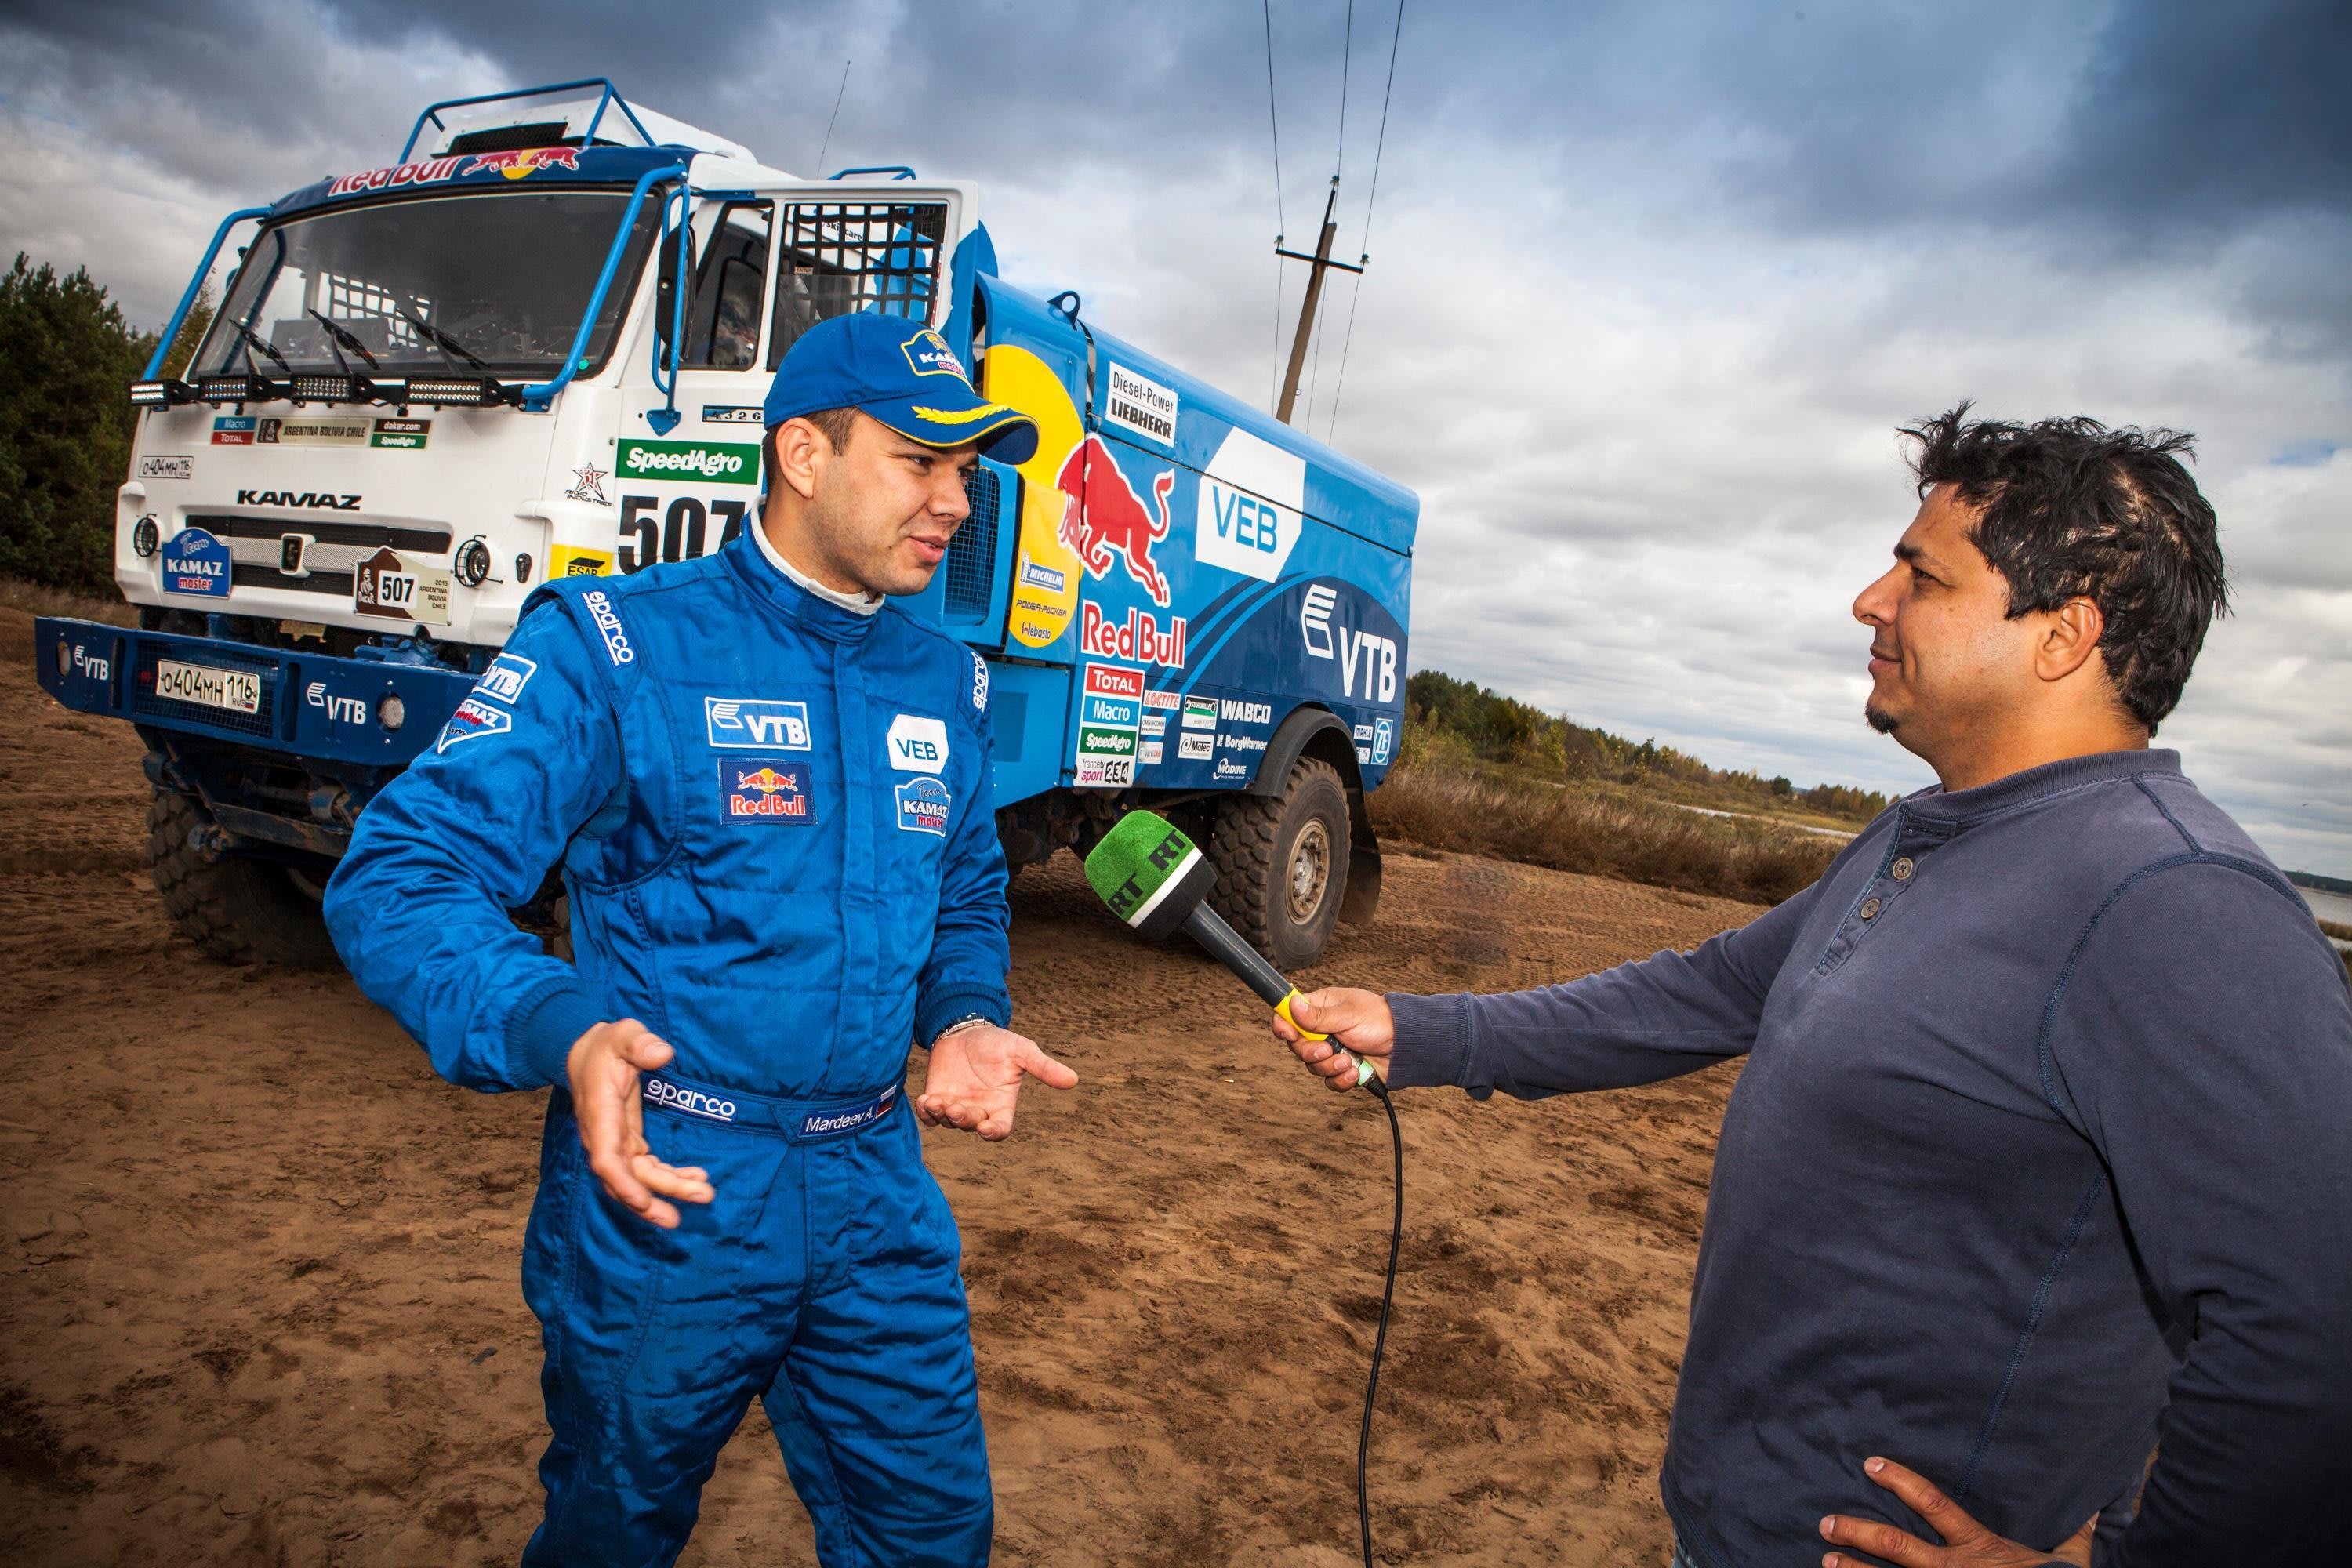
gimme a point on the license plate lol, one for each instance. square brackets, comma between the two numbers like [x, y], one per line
[236, 691]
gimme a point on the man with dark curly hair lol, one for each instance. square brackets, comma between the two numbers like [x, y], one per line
[2041, 1158]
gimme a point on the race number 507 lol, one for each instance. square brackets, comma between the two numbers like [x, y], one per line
[651, 532]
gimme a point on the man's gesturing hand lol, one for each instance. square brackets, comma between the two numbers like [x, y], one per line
[1967, 1543]
[604, 1069]
[975, 1076]
[1357, 1020]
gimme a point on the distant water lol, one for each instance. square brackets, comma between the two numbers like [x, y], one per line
[2336, 907]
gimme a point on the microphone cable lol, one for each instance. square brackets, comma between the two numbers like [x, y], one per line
[1380, 1336]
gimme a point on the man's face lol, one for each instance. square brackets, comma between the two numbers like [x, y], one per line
[1946, 661]
[886, 506]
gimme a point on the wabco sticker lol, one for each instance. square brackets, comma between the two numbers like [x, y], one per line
[917, 744]
[400, 587]
[765, 789]
[312, 432]
[506, 676]
[725, 414]
[1200, 712]
[233, 430]
[473, 720]
[406, 435]
[755, 724]
[715, 462]
[196, 564]
[1247, 519]
[160, 467]
[599, 605]
[693, 1101]
[1104, 522]
[1141, 404]
[923, 805]
[589, 486]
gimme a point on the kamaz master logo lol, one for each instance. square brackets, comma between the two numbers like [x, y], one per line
[314, 499]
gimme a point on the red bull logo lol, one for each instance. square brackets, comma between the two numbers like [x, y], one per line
[1105, 519]
[519, 164]
[522, 163]
[771, 792]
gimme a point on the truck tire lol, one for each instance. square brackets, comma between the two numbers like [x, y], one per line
[1282, 863]
[238, 911]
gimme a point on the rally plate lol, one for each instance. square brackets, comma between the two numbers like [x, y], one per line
[233, 690]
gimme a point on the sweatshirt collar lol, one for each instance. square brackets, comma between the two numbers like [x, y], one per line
[1935, 804]
[770, 577]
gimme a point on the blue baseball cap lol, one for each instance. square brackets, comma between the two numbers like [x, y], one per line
[902, 374]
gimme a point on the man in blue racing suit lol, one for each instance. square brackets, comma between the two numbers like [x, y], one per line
[769, 793]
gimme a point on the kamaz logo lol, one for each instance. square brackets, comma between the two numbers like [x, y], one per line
[314, 499]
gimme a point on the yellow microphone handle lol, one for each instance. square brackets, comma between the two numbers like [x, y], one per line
[1364, 1073]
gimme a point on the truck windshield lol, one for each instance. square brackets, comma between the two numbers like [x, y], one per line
[493, 283]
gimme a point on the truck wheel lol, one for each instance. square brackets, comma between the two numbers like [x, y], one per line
[237, 910]
[1282, 863]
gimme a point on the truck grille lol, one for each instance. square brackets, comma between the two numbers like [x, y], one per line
[333, 584]
[146, 704]
[420, 541]
[971, 553]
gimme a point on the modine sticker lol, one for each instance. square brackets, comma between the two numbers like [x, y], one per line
[160, 467]
[714, 462]
[1109, 712]
[1141, 404]
[1248, 516]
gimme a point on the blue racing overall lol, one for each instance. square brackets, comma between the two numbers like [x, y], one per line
[773, 820]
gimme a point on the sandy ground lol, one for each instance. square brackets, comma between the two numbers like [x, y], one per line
[259, 1288]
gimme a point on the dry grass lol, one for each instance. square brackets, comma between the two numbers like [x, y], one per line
[1569, 830]
[39, 599]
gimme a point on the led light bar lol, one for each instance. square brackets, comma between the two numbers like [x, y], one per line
[236, 388]
[456, 391]
[160, 393]
[337, 388]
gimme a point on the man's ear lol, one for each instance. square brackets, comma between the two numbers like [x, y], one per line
[800, 450]
[2070, 635]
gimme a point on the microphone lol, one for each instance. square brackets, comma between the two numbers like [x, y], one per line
[1157, 881]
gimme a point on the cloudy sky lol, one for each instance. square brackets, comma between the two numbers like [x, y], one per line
[1650, 284]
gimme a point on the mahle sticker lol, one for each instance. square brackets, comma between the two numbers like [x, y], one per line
[683, 462]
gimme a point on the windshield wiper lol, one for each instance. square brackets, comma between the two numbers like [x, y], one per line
[447, 345]
[348, 340]
[257, 341]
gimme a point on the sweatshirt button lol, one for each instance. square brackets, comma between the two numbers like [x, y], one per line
[1902, 868]
[1870, 908]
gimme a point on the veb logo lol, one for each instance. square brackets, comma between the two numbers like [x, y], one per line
[917, 745]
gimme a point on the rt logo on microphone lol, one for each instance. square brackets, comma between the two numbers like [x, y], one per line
[1368, 661]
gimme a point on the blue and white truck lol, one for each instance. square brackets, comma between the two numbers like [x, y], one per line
[538, 343]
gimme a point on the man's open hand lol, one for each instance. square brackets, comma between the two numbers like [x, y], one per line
[604, 1069]
[1359, 1021]
[1967, 1543]
[975, 1076]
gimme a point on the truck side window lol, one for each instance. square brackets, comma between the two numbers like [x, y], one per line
[730, 282]
[840, 257]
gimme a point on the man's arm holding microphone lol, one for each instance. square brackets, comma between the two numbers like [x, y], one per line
[1670, 1013]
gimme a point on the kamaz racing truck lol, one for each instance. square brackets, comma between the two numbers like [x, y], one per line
[538, 343]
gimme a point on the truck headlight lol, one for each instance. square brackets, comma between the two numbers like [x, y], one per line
[473, 563]
[145, 537]
[391, 712]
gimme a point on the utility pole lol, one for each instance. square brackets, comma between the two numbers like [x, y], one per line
[1322, 263]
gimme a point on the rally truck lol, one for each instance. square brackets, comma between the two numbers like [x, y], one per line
[538, 343]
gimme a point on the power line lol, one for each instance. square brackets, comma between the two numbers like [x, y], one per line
[1338, 162]
[818, 172]
[1364, 254]
[1281, 224]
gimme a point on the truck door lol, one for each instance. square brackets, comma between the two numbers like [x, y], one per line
[759, 267]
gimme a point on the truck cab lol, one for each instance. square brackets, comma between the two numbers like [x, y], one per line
[538, 343]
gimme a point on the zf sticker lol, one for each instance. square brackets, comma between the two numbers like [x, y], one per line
[923, 804]
[764, 790]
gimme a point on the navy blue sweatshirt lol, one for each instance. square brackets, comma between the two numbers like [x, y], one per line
[2042, 1159]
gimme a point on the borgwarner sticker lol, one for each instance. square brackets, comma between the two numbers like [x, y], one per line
[923, 805]
[765, 789]
[608, 625]
[473, 720]
[506, 676]
[751, 723]
[917, 744]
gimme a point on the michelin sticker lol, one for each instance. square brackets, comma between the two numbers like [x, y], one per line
[472, 720]
[1138, 403]
[917, 744]
[923, 805]
[1248, 516]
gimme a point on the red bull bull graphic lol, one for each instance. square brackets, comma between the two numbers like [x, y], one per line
[1104, 518]
[764, 790]
[519, 164]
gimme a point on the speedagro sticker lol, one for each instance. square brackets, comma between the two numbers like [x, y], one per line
[683, 462]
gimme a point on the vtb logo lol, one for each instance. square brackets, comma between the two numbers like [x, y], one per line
[753, 723]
